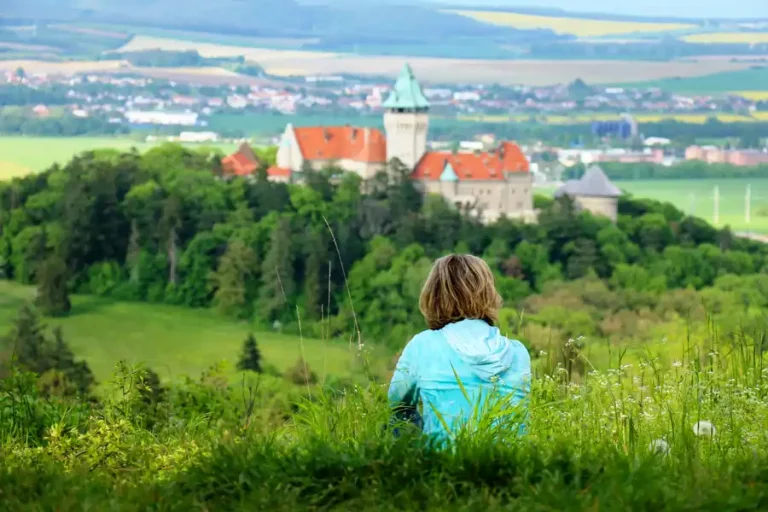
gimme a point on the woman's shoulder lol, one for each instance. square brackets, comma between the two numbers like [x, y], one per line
[422, 340]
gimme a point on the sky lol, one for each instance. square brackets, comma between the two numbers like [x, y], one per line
[678, 8]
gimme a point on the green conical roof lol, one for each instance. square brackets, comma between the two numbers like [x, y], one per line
[406, 92]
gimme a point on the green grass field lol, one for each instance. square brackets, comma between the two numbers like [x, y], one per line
[173, 341]
[697, 198]
[753, 79]
[23, 155]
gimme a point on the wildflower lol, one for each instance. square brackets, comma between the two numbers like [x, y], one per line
[704, 428]
[677, 364]
[659, 446]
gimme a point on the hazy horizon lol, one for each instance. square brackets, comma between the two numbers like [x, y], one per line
[676, 8]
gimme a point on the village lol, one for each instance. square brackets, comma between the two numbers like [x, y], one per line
[140, 100]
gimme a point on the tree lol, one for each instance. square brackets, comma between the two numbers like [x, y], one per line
[54, 360]
[250, 358]
[278, 280]
[52, 294]
[315, 270]
[233, 280]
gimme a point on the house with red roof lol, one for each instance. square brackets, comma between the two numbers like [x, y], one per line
[242, 162]
[491, 184]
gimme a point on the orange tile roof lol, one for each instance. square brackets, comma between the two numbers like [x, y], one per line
[278, 171]
[243, 162]
[473, 166]
[342, 143]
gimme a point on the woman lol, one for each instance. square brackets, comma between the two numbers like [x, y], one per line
[454, 368]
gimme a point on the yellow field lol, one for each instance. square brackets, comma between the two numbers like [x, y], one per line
[261, 55]
[640, 118]
[575, 26]
[729, 37]
[752, 95]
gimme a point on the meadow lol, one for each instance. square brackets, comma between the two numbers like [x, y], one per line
[20, 156]
[570, 25]
[174, 341]
[697, 198]
[690, 435]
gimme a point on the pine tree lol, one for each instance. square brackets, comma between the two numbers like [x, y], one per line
[315, 273]
[250, 359]
[52, 294]
[27, 341]
[38, 354]
[233, 280]
[278, 280]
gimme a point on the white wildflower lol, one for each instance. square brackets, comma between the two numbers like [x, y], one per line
[677, 364]
[704, 428]
[659, 446]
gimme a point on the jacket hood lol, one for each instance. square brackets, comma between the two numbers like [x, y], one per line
[480, 346]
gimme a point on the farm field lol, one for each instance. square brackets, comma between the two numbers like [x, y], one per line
[173, 341]
[289, 62]
[728, 37]
[24, 155]
[565, 25]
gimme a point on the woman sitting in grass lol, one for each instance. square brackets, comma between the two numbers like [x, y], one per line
[453, 369]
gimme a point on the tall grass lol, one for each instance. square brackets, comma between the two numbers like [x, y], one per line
[692, 435]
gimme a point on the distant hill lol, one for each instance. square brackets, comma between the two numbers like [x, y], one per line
[341, 21]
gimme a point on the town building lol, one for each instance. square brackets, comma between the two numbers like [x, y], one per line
[716, 155]
[242, 162]
[594, 192]
[489, 183]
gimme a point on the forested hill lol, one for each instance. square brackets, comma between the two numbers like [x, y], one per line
[161, 227]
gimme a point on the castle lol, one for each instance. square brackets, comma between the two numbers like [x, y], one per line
[492, 183]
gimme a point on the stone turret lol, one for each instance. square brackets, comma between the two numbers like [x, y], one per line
[406, 120]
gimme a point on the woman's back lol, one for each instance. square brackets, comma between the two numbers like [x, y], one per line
[453, 370]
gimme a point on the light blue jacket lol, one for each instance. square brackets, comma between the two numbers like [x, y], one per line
[480, 356]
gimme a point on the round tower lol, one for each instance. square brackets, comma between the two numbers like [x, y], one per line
[406, 120]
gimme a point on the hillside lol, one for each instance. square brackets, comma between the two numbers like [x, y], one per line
[333, 24]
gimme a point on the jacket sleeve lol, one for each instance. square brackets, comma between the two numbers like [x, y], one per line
[404, 390]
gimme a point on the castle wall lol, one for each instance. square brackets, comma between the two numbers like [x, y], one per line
[605, 206]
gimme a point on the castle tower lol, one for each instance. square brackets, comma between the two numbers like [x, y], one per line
[406, 120]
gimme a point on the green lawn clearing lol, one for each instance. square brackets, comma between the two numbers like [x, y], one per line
[174, 341]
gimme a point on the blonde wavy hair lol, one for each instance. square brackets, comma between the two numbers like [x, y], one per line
[459, 286]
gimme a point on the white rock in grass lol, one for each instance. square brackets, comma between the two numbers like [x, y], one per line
[704, 428]
[659, 446]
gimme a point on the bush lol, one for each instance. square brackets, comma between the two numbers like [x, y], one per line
[301, 374]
